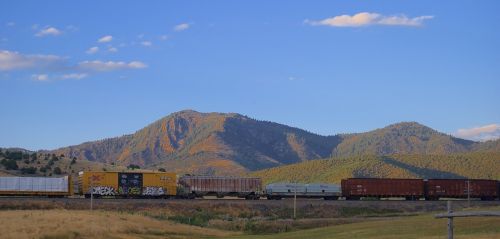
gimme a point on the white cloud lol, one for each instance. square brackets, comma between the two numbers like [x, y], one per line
[367, 18]
[40, 77]
[146, 43]
[92, 50]
[76, 76]
[10, 60]
[110, 65]
[47, 31]
[480, 133]
[113, 49]
[104, 39]
[163, 37]
[10, 24]
[60, 67]
[181, 27]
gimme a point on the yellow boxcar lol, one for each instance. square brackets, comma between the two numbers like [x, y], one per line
[127, 184]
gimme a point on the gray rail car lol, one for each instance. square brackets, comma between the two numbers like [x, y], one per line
[36, 186]
[314, 190]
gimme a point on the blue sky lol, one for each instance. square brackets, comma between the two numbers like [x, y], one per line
[77, 71]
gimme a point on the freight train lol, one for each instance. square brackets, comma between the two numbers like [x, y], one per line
[169, 185]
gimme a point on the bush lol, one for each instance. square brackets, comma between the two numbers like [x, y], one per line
[14, 155]
[73, 161]
[162, 170]
[133, 166]
[54, 157]
[57, 170]
[28, 170]
[43, 169]
[9, 164]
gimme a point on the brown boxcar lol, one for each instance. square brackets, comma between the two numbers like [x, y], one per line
[199, 186]
[355, 188]
[457, 188]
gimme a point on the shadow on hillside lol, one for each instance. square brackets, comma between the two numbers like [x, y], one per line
[421, 172]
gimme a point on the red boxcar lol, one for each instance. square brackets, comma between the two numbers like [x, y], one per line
[355, 188]
[457, 188]
[199, 186]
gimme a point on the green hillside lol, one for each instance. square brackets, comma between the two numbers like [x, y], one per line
[473, 165]
[402, 138]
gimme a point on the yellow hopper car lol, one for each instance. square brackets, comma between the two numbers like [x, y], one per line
[127, 184]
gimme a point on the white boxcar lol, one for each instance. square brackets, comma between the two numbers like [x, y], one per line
[314, 190]
[35, 186]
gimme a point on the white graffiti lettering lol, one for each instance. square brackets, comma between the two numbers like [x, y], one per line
[103, 190]
[153, 191]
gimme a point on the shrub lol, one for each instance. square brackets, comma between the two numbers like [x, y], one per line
[133, 166]
[9, 164]
[28, 170]
[57, 170]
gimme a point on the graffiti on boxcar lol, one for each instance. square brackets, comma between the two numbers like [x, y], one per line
[130, 183]
[153, 191]
[103, 190]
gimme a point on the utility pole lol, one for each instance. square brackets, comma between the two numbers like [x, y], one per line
[468, 193]
[91, 193]
[295, 203]
[450, 221]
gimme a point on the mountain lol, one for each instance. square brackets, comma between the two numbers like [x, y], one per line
[220, 143]
[209, 143]
[465, 165]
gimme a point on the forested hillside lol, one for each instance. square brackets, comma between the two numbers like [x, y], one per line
[25, 163]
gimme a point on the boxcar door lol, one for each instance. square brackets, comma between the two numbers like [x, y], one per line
[130, 184]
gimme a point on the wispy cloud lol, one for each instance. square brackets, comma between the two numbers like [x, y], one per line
[105, 39]
[181, 27]
[10, 24]
[480, 133]
[92, 50]
[110, 65]
[10, 60]
[146, 43]
[113, 49]
[163, 37]
[48, 31]
[40, 77]
[367, 19]
[76, 76]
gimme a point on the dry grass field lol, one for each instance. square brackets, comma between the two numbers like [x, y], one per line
[18, 224]
[411, 227]
[122, 218]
